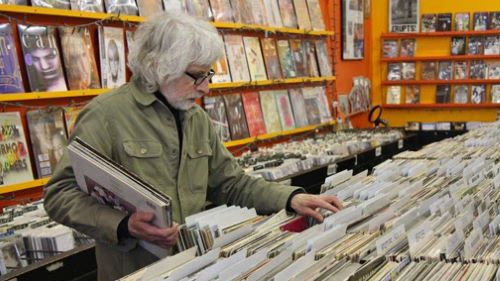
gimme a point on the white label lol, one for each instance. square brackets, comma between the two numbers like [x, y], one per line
[419, 236]
[387, 241]
[475, 179]
[332, 169]
[378, 151]
[347, 215]
[463, 222]
[408, 219]
[454, 241]
[400, 144]
[482, 221]
[472, 243]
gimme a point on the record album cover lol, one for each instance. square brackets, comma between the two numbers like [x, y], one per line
[253, 112]
[476, 46]
[412, 93]
[445, 70]
[462, 22]
[299, 57]
[393, 95]
[42, 58]
[273, 13]
[408, 70]
[404, 15]
[175, 6]
[494, 21]
[394, 71]
[478, 69]
[312, 107]
[124, 7]
[480, 21]
[14, 2]
[492, 45]
[495, 93]
[199, 9]
[16, 167]
[478, 94]
[408, 47]
[461, 70]
[221, 10]
[390, 48]
[112, 56]
[236, 117]
[78, 57]
[236, 58]
[70, 115]
[324, 104]
[271, 58]
[429, 70]
[302, 14]
[87, 5]
[57, 4]
[458, 45]
[242, 11]
[259, 17]
[493, 70]
[344, 106]
[148, 8]
[429, 23]
[286, 59]
[288, 13]
[461, 94]
[443, 94]
[284, 110]
[444, 22]
[311, 63]
[270, 111]
[323, 59]
[254, 58]
[221, 69]
[216, 110]
[315, 15]
[48, 138]
[11, 80]
[299, 107]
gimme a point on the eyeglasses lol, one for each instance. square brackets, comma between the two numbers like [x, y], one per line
[198, 80]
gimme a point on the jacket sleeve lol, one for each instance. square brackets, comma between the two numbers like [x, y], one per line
[229, 184]
[63, 199]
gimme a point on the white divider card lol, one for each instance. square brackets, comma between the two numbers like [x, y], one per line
[434, 207]
[378, 151]
[332, 169]
[455, 171]
[419, 236]
[412, 188]
[400, 203]
[344, 216]
[409, 218]
[153, 271]
[275, 262]
[481, 222]
[326, 238]
[295, 268]
[193, 219]
[463, 221]
[424, 207]
[472, 243]
[338, 177]
[301, 240]
[225, 239]
[375, 223]
[349, 192]
[454, 241]
[376, 203]
[475, 180]
[439, 221]
[213, 271]
[244, 265]
[192, 266]
[447, 206]
[455, 189]
[494, 226]
[390, 239]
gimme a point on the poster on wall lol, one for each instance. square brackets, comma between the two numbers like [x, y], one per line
[353, 30]
[404, 16]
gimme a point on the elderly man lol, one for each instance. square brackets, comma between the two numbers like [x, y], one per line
[153, 127]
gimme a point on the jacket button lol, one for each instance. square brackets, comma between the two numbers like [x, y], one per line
[199, 151]
[143, 151]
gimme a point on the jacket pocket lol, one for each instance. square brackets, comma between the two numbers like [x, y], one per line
[197, 166]
[142, 148]
[144, 158]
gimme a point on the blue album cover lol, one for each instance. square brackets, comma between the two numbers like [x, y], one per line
[480, 21]
[10, 73]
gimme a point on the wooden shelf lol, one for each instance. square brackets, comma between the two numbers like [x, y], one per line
[52, 95]
[441, 105]
[442, 58]
[23, 185]
[271, 82]
[114, 17]
[276, 134]
[392, 35]
[439, 82]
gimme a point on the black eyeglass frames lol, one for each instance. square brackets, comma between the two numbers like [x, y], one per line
[198, 80]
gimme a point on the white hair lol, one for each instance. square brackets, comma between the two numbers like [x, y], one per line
[167, 44]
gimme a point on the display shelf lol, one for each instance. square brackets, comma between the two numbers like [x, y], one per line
[275, 134]
[440, 82]
[442, 58]
[441, 105]
[23, 185]
[270, 82]
[52, 95]
[393, 35]
[114, 17]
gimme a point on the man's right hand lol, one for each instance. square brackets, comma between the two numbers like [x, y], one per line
[140, 227]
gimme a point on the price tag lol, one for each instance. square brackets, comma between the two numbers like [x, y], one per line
[400, 144]
[378, 151]
[332, 169]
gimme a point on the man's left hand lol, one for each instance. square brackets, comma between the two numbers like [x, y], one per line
[306, 205]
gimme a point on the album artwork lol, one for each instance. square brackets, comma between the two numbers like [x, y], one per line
[408, 47]
[444, 22]
[236, 117]
[242, 11]
[461, 70]
[390, 48]
[257, 9]
[494, 21]
[216, 111]
[273, 13]
[253, 112]
[412, 93]
[287, 13]
[112, 53]
[462, 22]
[175, 6]
[299, 107]
[478, 69]
[299, 57]
[199, 9]
[480, 21]
[254, 58]
[478, 94]
[429, 23]
[408, 70]
[393, 95]
[14, 2]
[458, 45]
[311, 63]
[353, 30]
[284, 110]
[445, 70]
[270, 111]
[461, 94]
[394, 71]
[493, 70]
[286, 59]
[344, 106]
[221, 69]
[236, 58]
[404, 15]
[312, 107]
[323, 58]
[11, 80]
[87, 5]
[492, 45]
[495, 93]
[222, 11]
[148, 8]
[429, 70]
[70, 115]
[443, 93]
[315, 14]
[123, 7]
[57, 4]
[476, 45]
[302, 14]
[271, 58]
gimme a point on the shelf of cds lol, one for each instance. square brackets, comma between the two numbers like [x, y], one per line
[439, 82]
[442, 105]
[437, 58]
[392, 35]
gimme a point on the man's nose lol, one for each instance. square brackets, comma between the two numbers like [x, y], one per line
[203, 88]
[44, 64]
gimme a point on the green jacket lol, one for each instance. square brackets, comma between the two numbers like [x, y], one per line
[138, 131]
